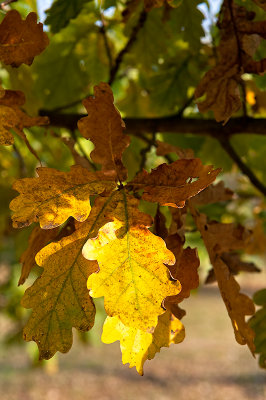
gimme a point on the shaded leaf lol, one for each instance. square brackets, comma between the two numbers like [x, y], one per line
[135, 281]
[21, 41]
[219, 238]
[213, 194]
[138, 346]
[166, 148]
[171, 185]
[237, 46]
[37, 240]
[258, 324]
[104, 127]
[12, 117]
[55, 196]
[235, 265]
[61, 12]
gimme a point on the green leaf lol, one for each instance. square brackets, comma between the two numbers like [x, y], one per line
[61, 12]
[258, 324]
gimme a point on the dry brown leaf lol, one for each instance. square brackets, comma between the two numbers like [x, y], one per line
[240, 37]
[235, 265]
[166, 148]
[219, 238]
[213, 194]
[171, 185]
[104, 127]
[21, 41]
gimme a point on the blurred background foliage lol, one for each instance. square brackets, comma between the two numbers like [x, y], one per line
[157, 77]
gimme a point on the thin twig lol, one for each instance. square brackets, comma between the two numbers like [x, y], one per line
[225, 143]
[3, 4]
[102, 30]
[125, 50]
[22, 165]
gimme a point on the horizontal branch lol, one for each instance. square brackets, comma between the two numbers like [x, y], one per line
[172, 124]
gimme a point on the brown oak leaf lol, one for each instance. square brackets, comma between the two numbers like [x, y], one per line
[21, 41]
[219, 238]
[171, 185]
[104, 127]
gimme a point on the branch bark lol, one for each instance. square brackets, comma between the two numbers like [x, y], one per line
[172, 124]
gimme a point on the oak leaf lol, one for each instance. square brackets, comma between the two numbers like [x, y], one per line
[171, 185]
[219, 238]
[55, 196]
[166, 148]
[21, 41]
[258, 324]
[240, 37]
[12, 117]
[37, 240]
[213, 194]
[104, 127]
[59, 297]
[138, 346]
[135, 281]
[235, 265]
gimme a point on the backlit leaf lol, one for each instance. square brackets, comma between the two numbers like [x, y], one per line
[138, 346]
[55, 196]
[135, 281]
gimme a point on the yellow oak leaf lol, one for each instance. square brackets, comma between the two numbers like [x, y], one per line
[132, 276]
[219, 238]
[12, 117]
[104, 127]
[171, 185]
[59, 297]
[138, 346]
[21, 41]
[37, 240]
[55, 196]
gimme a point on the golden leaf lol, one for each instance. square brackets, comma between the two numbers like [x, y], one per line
[59, 297]
[171, 185]
[54, 196]
[21, 41]
[104, 127]
[219, 238]
[138, 346]
[132, 277]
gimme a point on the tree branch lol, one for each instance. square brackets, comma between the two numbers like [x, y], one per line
[225, 143]
[172, 124]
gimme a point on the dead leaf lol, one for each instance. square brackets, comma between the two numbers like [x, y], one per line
[171, 185]
[219, 238]
[104, 127]
[21, 41]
